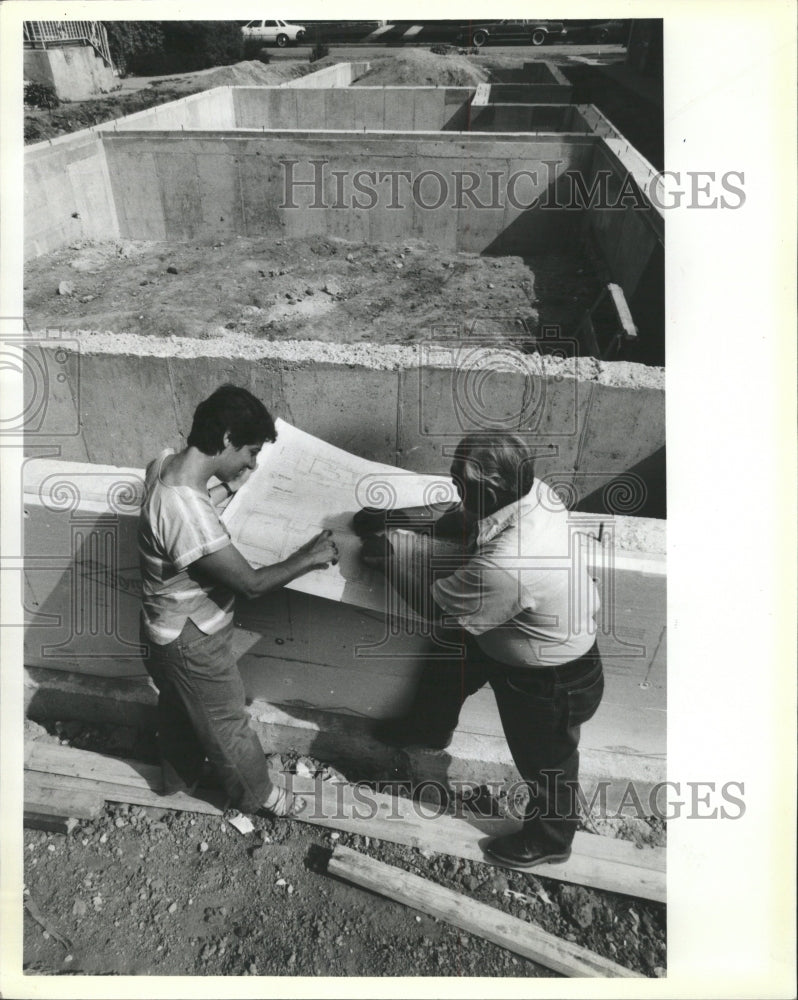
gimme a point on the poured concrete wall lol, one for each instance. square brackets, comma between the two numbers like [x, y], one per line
[511, 117]
[628, 237]
[67, 193]
[198, 186]
[211, 109]
[303, 653]
[339, 75]
[406, 413]
[75, 71]
[397, 109]
[536, 83]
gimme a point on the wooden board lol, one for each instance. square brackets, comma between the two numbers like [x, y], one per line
[47, 796]
[600, 862]
[115, 779]
[52, 824]
[476, 918]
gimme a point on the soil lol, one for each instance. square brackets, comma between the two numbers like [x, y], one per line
[305, 289]
[72, 116]
[422, 68]
[141, 891]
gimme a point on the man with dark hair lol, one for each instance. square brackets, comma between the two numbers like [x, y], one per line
[191, 573]
[525, 608]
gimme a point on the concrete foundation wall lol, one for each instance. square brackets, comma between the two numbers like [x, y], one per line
[397, 109]
[211, 109]
[408, 416]
[339, 75]
[522, 92]
[201, 186]
[67, 194]
[74, 71]
[628, 238]
[513, 117]
[305, 654]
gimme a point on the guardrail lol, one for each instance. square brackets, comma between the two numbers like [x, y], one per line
[57, 32]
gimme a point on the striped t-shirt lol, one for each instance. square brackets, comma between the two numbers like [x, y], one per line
[177, 526]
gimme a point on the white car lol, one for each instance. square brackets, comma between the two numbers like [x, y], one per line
[277, 32]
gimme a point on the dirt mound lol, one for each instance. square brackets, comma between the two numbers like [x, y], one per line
[72, 116]
[421, 68]
[250, 73]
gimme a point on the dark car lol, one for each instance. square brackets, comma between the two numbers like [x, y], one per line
[526, 32]
[591, 32]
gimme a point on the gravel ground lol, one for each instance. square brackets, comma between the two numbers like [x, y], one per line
[141, 891]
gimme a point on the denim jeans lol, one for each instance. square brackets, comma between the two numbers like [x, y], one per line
[201, 715]
[541, 710]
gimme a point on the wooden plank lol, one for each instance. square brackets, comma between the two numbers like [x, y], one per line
[52, 824]
[117, 780]
[476, 918]
[57, 759]
[47, 796]
[601, 862]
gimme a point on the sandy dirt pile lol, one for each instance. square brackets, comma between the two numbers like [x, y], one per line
[422, 68]
[320, 289]
[250, 73]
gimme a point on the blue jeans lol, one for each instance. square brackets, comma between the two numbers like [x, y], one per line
[542, 710]
[201, 715]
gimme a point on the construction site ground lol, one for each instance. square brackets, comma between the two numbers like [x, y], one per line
[153, 892]
[389, 67]
[142, 891]
[322, 289]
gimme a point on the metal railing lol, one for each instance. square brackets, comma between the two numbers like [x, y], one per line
[57, 32]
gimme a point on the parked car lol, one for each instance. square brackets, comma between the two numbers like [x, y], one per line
[524, 32]
[590, 32]
[276, 32]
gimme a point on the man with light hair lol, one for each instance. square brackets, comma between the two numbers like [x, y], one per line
[525, 606]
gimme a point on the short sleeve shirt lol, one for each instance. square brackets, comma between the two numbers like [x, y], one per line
[524, 593]
[177, 526]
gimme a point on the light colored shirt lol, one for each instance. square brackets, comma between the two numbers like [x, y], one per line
[177, 526]
[525, 592]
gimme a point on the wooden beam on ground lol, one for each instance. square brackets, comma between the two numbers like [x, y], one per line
[599, 862]
[476, 918]
[115, 779]
[48, 805]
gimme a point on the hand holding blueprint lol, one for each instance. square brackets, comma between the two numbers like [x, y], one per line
[302, 485]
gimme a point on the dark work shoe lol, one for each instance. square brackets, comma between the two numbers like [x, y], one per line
[513, 851]
[401, 734]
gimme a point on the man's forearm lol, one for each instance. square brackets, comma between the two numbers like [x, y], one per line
[408, 571]
[267, 578]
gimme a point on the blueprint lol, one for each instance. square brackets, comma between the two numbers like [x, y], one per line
[302, 485]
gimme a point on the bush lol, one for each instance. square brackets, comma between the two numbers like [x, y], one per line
[319, 51]
[193, 45]
[136, 46]
[442, 49]
[40, 95]
[255, 49]
[155, 47]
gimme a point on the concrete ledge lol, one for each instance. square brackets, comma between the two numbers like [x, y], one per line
[345, 741]
[405, 406]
